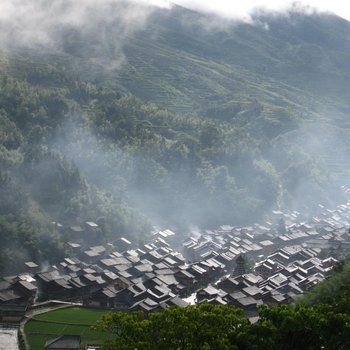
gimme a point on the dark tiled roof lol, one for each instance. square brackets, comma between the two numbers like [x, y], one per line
[68, 342]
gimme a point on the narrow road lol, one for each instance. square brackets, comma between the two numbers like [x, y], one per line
[38, 311]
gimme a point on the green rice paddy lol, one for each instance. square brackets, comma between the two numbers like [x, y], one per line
[77, 321]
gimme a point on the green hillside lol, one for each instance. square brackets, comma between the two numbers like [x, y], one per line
[187, 120]
[269, 77]
[297, 62]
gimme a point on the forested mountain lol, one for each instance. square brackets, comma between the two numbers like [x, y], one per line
[187, 119]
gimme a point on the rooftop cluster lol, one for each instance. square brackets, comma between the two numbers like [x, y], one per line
[271, 263]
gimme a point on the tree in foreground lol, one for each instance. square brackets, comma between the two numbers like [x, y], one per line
[200, 327]
[208, 327]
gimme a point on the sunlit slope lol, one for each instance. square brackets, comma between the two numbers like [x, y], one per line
[190, 63]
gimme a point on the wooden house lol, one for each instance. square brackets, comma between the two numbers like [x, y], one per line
[64, 342]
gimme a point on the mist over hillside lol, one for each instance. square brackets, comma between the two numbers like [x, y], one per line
[133, 115]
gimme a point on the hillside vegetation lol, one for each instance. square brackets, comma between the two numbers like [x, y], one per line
[203, 122]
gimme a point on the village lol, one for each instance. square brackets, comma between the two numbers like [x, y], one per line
[270, 264]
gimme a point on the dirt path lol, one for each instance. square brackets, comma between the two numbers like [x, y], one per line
[37, 311]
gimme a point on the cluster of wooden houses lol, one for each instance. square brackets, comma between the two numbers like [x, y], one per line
[246, 266]
[282, 258]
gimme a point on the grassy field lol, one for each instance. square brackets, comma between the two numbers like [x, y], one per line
[75, 320]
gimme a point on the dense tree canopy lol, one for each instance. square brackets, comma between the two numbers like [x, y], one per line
[226, 328]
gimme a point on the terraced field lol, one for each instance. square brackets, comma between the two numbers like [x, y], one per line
[77, 321]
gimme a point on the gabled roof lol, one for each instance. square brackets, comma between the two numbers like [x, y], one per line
[247, 301]
[236, 295]
[27, 285]
[228, 281]
[145, 305]
[9, 294]
[168, 279]
[31, 264]
[176, 301]
[69, 342]
[252, 291]
[49, 275]
[91, 224]
[210, 290]
[252, 279]
[185, 273]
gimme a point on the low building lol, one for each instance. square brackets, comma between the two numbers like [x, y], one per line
[64, 342]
